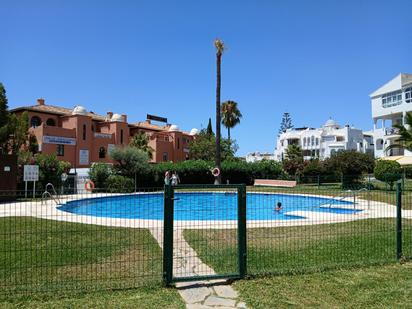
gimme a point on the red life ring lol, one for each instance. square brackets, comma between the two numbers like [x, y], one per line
[215, 172]
[89, 185]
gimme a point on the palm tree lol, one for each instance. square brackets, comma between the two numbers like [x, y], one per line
[140, 141]
[220, 48]
[231, 115]
[405, 135]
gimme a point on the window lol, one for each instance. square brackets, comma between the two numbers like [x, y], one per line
[165, 157]
[102, 153]
[304, 141]
[312, 140]
[178, 143]
[35, 121]
[317, 141]
[84, 132]
[392, 99]
[60, 150]
[121, 136]
[379, 144]
[50, 122]
[340, 138]
[408, 95]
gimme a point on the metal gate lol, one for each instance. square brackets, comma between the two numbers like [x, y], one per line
[201, 218]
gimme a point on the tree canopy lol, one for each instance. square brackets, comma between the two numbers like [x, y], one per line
[231, 115]
[203, 147]
[130, 161]
[140, 141]
[4, 119]
[209, 130]
[405, 135]
[286, 123]
[388, 171]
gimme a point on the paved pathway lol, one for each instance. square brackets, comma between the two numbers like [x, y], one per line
[200, 294]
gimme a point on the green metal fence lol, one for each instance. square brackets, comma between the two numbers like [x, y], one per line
[194, 232]
[181, 262]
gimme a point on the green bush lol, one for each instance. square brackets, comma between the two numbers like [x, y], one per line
[349, 165]
[388, 171]
[199, 172]
[50, 168]
[99, 174]
[120, 184]
[130, 161]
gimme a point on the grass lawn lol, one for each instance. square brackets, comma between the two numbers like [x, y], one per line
[142, 298]
[47, 256]
[386, 286]
[288, 250]
[385, 196]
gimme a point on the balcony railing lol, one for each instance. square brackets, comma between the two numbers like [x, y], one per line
[391, 131]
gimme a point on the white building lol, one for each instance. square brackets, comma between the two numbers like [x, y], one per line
[323, 142]
[257, 156]
[390, 103]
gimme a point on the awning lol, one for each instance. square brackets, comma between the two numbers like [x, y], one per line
[402, 160]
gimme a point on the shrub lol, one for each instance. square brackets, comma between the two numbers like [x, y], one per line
[190, 172]
[130, 161]
[199, 172]
[118, 183]
[388, 171]
[50, 169]
[99, 174]
[350, 165]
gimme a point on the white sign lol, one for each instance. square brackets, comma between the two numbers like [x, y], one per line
[31, 173]
[84, 157]
[102, 135]
[110, 148]
[7, 169]
[64, 176]
[47, 139]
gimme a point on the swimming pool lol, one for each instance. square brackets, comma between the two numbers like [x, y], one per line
[206, 206]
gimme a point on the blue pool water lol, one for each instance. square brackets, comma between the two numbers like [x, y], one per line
[204, 206]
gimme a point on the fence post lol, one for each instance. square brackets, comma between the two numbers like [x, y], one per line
[241, 222]
[168, 235]
[398, 220]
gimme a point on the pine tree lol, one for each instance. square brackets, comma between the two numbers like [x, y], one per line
[4, 120]
[286, 123]
[209, 130]
[4, 115]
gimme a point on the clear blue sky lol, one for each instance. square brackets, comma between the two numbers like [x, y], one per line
[314, 59]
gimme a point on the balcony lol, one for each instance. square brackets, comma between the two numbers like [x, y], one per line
[391, 131]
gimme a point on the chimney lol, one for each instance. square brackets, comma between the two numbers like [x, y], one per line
[40, 101]
[109, 115]
[124, 116]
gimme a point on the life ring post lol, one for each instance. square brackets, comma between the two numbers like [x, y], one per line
[89, 185]
[216, 172]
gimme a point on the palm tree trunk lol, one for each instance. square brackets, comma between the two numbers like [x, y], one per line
[228, 134]
[217, 156]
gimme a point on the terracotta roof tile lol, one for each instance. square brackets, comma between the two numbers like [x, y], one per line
[62, 111]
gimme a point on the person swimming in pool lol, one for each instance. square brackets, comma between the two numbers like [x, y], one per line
[278, 206]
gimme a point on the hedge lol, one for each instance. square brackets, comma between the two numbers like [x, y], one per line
[199, 172]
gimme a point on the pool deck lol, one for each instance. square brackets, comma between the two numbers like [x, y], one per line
[47, 209]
